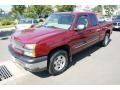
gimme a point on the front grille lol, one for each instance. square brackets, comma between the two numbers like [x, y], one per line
[118, 24]
[4, 73]
[114, 23]
[17, 45]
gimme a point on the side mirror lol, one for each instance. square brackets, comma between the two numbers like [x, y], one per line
[80, 27]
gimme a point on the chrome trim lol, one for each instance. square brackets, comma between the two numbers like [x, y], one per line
[86, 43]
[116, 26]
[34, 67]
[98, 29]
[29, 63]
[17, 45]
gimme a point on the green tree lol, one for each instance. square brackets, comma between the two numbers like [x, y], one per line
[2, 12]
[42, 9]
[29, 12]
[98, 8]
[64, 8]
[47, 9]
[109, 9]
[18, 9]
[37, 10]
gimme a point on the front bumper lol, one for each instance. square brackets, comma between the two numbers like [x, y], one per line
[116, 27]
[29, 63]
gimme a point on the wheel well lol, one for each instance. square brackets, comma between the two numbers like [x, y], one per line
[63, 47]
[108, 31]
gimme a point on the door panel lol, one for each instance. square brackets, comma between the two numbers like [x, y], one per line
[93, 33]
[94, 30]
[81, 39]
[80, 36]
[76, 41]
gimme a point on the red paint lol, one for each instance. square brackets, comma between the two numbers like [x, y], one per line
[47, 39]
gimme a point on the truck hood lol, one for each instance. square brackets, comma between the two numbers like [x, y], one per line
[34, 35]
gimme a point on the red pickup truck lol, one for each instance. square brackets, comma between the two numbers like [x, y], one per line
[51, 46]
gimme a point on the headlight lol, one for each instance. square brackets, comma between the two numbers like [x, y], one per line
[29, 50]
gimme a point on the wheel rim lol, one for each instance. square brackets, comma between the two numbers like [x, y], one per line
[106, 39]
[59, 62]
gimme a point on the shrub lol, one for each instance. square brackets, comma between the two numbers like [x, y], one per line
[7, 22]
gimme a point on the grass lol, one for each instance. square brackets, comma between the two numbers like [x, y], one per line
[6, 26]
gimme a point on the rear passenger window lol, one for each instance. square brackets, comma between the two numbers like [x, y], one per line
[93, 19]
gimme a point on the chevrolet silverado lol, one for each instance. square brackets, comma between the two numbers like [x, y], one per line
[51, 45]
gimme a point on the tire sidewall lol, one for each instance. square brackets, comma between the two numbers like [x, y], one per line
[105, 44]
[52, 59]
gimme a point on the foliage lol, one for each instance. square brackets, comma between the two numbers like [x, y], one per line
[6, 22]
[97, 8]
[64, 8]
[39, 9]
[18, 9]
[1, 11]
[33, 11]
[109, 9]
[30, 12]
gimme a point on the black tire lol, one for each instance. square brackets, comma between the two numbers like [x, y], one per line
[54, 58]
[106, 40]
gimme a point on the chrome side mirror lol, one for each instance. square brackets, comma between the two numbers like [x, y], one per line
[80, 27]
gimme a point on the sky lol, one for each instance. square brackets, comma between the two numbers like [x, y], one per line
[6, 8]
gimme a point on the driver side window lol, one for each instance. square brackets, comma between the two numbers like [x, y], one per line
[82, 20]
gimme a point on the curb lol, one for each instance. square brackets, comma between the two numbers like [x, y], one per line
[3, 38]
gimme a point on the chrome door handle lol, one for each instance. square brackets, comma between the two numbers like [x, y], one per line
[97, 29]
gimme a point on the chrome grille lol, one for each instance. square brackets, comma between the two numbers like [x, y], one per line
[118, 24]
[16, 44]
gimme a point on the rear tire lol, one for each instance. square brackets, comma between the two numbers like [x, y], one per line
[58, 62]
[106, 40]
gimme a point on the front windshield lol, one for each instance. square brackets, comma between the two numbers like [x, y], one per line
[25, 21]
[63, 21]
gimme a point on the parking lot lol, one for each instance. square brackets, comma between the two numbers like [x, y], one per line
[96, 65]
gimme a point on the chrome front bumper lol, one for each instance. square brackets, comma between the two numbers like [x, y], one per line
[28, 63]
[116, 27]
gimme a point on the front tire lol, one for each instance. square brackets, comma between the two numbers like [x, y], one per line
[58, 62]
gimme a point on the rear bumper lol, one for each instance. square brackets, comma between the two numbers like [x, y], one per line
[28, 63]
